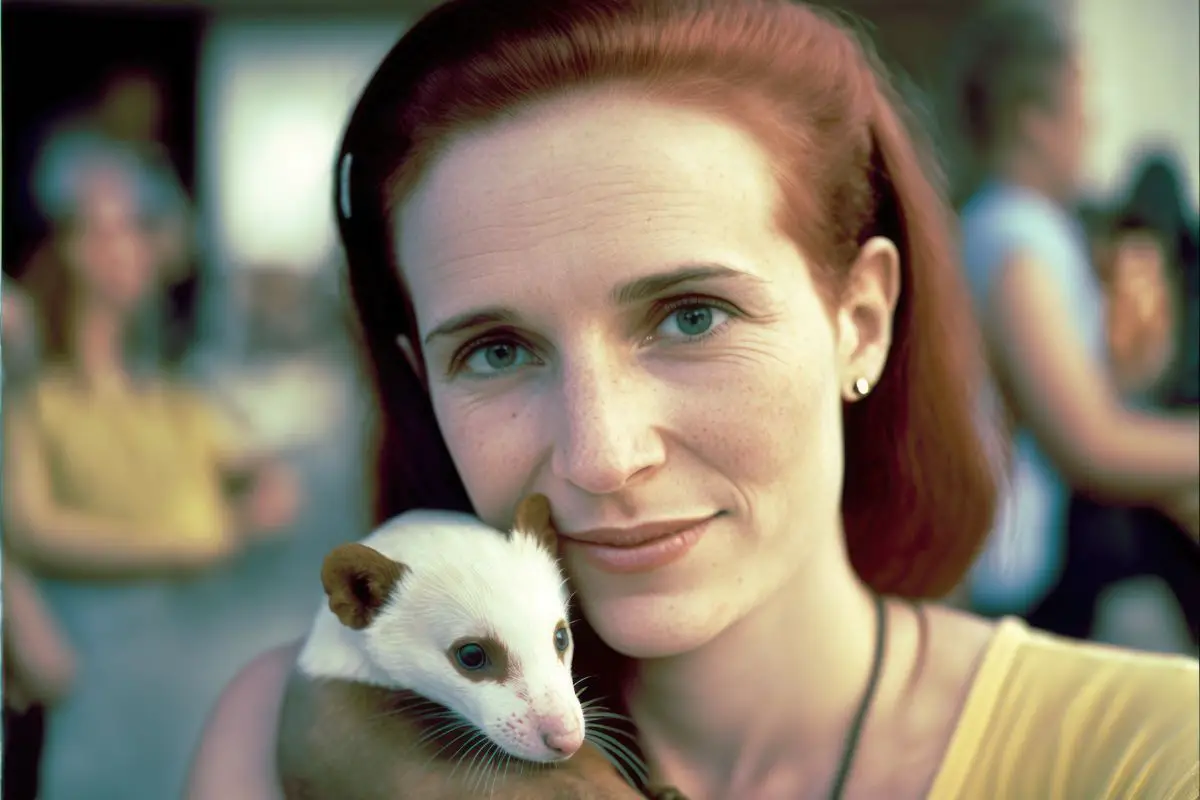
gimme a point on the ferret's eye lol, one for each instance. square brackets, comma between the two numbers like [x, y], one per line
[562, 639]
[471, 657]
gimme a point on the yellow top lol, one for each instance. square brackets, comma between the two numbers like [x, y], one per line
[149, 455]
[1053, 719]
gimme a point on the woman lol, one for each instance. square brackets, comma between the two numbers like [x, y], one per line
[676, 265]
[114, 489]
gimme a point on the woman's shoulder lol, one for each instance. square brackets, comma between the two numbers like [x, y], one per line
[1103, 721]
[236, 755]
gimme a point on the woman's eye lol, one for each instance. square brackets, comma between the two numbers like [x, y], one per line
[693, 321]
[494, 357]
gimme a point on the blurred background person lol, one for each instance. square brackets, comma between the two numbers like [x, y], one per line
[117, 485]
[129, 110]
[1027, 258]
[1130, 576]
[125, 118]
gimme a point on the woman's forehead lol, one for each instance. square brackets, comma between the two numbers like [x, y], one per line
[595, 188]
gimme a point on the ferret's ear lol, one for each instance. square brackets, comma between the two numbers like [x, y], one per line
[533, 517]
[358, 581]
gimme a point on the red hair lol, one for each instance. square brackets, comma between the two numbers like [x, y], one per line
[919, 489]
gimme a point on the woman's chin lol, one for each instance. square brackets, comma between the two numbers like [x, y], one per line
[652, 627]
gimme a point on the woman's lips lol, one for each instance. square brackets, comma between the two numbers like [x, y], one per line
[640, 549]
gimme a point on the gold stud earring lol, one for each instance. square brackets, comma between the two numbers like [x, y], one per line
[862, 388]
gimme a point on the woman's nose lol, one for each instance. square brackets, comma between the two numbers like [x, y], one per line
[609, 433]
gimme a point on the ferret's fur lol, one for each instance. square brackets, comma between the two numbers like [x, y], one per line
[355, 722]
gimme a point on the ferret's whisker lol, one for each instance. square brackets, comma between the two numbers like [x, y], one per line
[487, 764]
[467, 732]
[467, 742]
[618, 746]
[440, 730]
[608, 738]
[620, 752]
[477, 749]
[594, 710]
[467, 749]
[497, 761]
[418, 702]
[612, 731]
[454, 723]
[607, 735]
[477, 775]
[508, 760]
[492, 767]
[617, 760]
[419, 707]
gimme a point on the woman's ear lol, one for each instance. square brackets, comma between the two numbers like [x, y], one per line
[864, 315]
[410, 354]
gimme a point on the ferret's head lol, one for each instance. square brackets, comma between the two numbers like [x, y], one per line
[473, 619]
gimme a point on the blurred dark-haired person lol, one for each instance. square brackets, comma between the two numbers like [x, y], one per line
[1020, 107]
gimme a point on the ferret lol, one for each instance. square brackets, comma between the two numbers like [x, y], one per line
[441, 668]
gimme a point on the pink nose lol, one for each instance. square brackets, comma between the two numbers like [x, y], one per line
[561, 739]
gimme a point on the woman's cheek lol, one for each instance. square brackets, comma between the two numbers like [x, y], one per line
[493, 438]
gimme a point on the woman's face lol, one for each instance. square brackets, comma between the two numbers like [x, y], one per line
[108, 246]
[610, 316]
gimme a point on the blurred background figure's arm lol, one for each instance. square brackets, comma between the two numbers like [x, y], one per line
[1073, 409]
[265, 492]
[37, 659]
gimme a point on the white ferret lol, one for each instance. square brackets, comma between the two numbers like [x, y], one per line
[443, 605]
[436, 606]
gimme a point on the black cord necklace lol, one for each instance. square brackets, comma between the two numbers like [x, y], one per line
[864, 706]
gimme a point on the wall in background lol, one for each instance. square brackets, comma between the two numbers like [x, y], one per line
[274, 95]
[1143, 85]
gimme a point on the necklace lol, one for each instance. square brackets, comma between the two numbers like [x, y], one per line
[856, 724]
[864, 706]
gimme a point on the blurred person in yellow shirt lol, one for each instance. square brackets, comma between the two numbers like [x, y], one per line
[117, 483]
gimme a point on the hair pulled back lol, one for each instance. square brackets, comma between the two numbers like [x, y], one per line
[919, 487]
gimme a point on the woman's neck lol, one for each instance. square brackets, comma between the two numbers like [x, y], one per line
[779, 688]
[98, 346]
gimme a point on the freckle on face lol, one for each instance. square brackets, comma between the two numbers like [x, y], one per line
[594, 194]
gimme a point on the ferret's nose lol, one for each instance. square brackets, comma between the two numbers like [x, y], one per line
[562, 740]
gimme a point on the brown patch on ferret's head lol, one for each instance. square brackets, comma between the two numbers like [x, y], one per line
[481, 659]
[533, 517]
[358, 581]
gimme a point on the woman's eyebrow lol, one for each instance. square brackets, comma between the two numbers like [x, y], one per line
[649, 286]
[492, 315]
[634, 291]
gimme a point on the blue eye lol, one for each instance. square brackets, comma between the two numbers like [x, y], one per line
[693, 321]
[471, 657]
[497, 356]
[562, 639]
